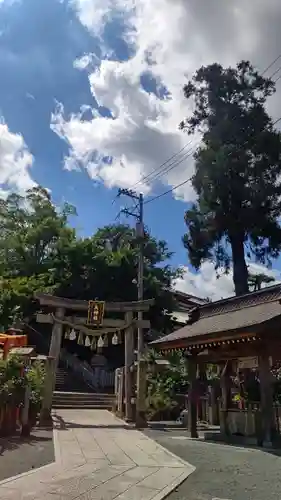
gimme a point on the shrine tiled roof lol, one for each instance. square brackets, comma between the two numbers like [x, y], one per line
[229, 315]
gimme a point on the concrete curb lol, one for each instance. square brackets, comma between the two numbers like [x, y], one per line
[161, 495]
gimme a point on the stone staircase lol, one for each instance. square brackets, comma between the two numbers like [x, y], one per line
[72, 392]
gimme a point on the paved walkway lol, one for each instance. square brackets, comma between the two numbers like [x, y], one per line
[99, 458]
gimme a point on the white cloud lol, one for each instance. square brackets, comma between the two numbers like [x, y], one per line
[94, 14]
[86, 61]
[15, 162]
[170, 39]
[206, 284]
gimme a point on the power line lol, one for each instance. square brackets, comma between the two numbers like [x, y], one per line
[278, 119]
[143, 178]
[174, 164]
[277, 79]
[275, 72]
[169, 190]
[271, 64]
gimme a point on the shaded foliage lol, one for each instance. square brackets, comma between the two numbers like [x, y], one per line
[165, 383]
[14, 379]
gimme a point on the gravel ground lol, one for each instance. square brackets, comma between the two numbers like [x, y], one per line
[18, 456]
[223, 472]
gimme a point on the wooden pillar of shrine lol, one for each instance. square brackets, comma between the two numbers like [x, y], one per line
[268, 428]
[45, 414]
[201, 383]
[225, 399]
[213, 408]
[141, 400]
[129, 360]
[51, 367]
[192, 397]
[55, 344]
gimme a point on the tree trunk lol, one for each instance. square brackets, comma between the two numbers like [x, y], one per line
[240, 271]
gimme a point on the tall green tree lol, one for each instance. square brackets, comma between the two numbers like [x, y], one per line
[32, 231]
[105, 266]
[237, 171]
[39, 251]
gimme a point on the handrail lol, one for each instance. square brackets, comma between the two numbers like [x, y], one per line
[70, 362]
[90, 377]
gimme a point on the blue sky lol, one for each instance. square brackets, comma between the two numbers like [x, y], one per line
[87, 80]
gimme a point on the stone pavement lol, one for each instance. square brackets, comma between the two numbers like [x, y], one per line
[100, 458]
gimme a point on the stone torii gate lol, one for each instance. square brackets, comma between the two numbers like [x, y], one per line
[59, 307]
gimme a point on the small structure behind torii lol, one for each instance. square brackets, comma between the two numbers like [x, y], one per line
[60, 316]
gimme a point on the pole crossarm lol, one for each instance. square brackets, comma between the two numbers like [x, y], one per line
[82, 305]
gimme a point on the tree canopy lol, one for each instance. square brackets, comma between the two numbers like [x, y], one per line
[237, 171]
[39, 251]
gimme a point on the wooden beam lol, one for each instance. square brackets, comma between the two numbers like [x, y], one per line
[107, 323]
[82, 305]
[55, 346]
[202, 340]
[220, 355]
[111, 323]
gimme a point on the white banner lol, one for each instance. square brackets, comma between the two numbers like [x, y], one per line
[250, 362]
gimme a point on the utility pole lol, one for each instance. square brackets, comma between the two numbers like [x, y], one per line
[141, 371]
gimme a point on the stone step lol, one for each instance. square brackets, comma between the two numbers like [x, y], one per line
[91, 394]
[73, 392]
[83, 400]
[80, 406]
[68, 382]
[78, 400]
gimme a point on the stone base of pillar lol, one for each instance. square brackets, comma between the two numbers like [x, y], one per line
[141, 422]
[128, 420]
[45, 419]
[192, 434]
[267, 444]
[25, 430]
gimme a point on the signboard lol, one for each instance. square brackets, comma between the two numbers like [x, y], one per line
[95, 312]
[250, 362]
